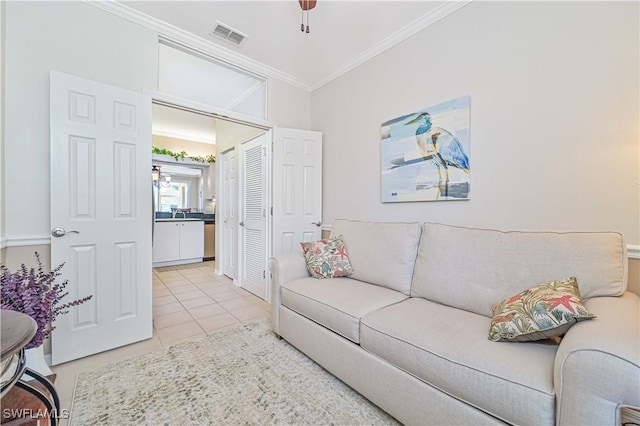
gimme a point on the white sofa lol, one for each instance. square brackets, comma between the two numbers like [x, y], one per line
[408, 330]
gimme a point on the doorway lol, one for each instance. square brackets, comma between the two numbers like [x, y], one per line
[219, 188]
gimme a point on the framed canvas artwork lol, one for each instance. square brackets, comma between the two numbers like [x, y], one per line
[425, 154]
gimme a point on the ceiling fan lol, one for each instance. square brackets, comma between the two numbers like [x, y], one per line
[306, 6]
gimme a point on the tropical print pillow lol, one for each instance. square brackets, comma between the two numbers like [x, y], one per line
[541, 312]
[327, 258]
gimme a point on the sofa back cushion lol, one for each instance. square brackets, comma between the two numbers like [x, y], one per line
[381, 253]
[472, 269]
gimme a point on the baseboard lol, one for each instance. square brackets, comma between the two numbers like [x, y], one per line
[177, 262]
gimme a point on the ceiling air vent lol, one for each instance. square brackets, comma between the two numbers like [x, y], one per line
[227, 33]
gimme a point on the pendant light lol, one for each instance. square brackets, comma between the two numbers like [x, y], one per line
[306, 6]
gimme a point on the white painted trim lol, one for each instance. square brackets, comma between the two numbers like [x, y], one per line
[176, 262]
[633, 250]
[404, 33]
[179, 35]
[169, 160]
[28, 240]
[210, 109]
[251, 90]
[176, 34]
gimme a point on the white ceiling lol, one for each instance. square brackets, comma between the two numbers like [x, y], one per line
[176, 123]
[343, 33]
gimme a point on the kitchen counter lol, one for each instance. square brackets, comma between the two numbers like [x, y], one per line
[180, 219]
[167, 217]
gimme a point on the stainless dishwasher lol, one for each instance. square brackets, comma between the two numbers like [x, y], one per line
[209, 240]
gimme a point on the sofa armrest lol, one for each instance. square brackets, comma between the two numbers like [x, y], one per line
[597, 366]
[284, 268]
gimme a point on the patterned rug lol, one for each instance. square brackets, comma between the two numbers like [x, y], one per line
[244, 376]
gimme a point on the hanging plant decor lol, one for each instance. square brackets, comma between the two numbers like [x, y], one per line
[180, 156]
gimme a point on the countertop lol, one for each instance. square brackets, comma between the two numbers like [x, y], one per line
[190, 217]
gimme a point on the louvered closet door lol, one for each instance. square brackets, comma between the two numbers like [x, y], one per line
[253, 223]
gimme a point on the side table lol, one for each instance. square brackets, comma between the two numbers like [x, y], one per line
[17, 329]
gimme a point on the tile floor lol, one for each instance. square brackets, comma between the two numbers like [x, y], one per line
[189, 302]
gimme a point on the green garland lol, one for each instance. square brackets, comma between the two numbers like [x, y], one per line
[180, 156]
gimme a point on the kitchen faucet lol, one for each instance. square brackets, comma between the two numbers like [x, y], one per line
[184, 215]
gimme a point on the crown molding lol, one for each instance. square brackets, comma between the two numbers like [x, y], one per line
[402, 34]
[176, 34]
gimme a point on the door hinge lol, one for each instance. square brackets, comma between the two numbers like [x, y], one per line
[272, 144]
[264, 274]
[271, 210]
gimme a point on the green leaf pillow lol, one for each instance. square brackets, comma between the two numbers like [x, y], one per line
[538, 313]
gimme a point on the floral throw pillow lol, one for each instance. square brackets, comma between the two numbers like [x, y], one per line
[540, 312]
[327, 258]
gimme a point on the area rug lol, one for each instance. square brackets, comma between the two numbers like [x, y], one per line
[242, 376]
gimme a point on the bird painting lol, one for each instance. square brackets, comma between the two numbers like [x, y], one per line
[440, 147]
[425, 154]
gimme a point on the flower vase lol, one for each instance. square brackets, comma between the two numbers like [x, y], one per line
[36, 361]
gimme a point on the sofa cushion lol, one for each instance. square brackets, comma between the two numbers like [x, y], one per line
[472, 269]
[327, 258]
[381, 253]
[448, 349]
[546, 310]
[337, 304]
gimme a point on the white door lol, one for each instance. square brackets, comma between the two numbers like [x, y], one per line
[229, 207]
[100, 178]
[297, 189]
[253, 223]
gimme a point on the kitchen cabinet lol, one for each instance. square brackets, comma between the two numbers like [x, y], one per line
[208, 178]
[178, 241]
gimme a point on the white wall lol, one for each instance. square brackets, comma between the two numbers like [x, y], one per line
[2, 43]
[554, 117]
[79, 39]
[74, 38]
[288, 106]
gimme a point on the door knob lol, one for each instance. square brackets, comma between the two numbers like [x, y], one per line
[241, 223]
[60, 232]
[318, 223]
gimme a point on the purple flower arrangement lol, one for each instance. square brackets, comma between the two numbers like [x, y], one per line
[36, 294]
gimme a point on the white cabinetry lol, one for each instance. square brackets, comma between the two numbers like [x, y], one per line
[178, 242]
[191, 240]
[166, 236]
[208, 178]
